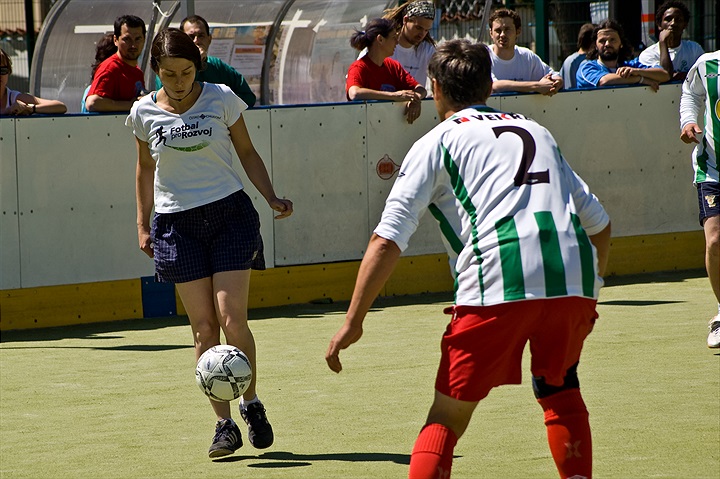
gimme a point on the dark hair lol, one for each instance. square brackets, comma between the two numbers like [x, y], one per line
[585, 39]
[398, 13]
[7, 59]
[365, 38]
[173, 43]
[131, 21]
[462, 72]
[104, 49]
[505, 12]
[660, 12]
[625, 53]
[195, 19]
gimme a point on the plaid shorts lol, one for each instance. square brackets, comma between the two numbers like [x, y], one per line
[197, 243]
[708, 200]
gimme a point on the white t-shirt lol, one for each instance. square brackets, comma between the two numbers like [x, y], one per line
[702, 89]
[524, 66]
[682, 57]
[193, 152]
[414, 60]
[505, 242]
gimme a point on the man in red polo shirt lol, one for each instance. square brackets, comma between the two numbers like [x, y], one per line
[118, 81]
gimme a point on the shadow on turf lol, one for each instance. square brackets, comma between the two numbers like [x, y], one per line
[290, 459]
[92, 330]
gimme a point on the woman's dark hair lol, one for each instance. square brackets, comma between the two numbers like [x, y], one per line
[462, 71]
[625, 53]
[8, 63]
[173, 43]
[379, 26]
[104, 49]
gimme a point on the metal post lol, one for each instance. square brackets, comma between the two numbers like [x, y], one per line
[542, 27]
[189, 8]
[29, 31]
[629, 14]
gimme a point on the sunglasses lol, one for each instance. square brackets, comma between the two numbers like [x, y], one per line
[4, 70]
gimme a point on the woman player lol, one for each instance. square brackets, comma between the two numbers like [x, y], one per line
[205, 234]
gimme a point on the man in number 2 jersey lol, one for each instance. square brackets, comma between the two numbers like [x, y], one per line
[528, 244]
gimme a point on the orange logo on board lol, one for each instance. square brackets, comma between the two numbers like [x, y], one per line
[386, 168]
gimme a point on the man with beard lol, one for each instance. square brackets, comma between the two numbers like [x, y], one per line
[673, 53]
[609, 62]
[118, 81]
[415, 45]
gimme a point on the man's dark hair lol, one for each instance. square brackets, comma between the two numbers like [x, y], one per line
[585, 36]
[505, 12]
[625, 53]
[195, 19]
[131, 21]
[462, 71]
[660, 12]
[173, 43]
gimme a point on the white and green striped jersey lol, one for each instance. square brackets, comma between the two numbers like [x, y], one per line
[702, 88]
[514, 217]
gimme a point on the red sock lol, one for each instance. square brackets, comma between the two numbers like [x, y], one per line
[433, 453]
[568, 431]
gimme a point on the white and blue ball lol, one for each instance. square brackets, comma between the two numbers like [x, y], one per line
[223, 372]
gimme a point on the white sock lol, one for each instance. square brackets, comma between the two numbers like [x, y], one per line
[244, 404]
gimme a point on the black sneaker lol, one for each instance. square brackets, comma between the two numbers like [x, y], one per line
[227, 440]
[260, 431]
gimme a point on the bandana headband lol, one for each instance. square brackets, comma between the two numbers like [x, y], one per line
[420, 9]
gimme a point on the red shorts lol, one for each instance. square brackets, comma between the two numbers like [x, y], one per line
[483, 345]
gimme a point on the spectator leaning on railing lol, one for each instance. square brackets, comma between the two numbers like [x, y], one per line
[16, 103]
[609, 62]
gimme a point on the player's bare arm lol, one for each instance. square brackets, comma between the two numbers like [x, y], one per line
[144, 179]
[376, 267]
[255, 169]
[601, 241]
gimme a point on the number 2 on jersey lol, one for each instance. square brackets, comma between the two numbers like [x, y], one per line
[523, 175]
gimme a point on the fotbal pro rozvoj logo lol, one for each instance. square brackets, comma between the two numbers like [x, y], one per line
[187, 130]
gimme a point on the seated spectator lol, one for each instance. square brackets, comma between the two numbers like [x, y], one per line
[376, 76]
[104, 49]
[517, 68]
[673, 53]
[118, 81]
[609, 62]
[570, 66]
[15, 103]
[213, 69]
[415, 45]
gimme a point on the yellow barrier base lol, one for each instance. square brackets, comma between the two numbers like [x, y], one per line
[115, 300]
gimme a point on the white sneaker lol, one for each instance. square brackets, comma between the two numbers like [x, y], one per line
[714, 336]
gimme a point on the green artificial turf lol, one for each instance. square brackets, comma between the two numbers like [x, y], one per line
[119, 400]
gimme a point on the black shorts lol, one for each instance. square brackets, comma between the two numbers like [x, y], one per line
[197, 243]
[708, 200]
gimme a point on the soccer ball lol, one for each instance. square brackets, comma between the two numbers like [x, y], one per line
[223, 372]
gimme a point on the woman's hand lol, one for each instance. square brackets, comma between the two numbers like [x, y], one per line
[146, 244]
[282, 206]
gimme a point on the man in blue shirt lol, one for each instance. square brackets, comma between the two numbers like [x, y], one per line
[609, 62]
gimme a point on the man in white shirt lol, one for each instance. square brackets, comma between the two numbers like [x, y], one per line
[701, 90]
[517, 68]
[672, 52]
